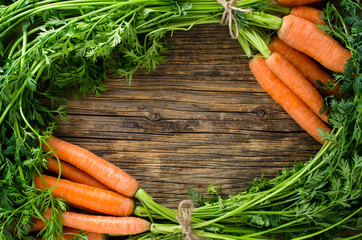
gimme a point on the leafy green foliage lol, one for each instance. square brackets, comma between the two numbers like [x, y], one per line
[318, 199]
[258, 184]
[57, 48]
[196, 197]
[52, 49]
[18, 199]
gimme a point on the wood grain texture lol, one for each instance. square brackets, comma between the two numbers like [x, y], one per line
[200, 118]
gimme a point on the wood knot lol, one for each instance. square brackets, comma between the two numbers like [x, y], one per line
[260, 112]
[154, 117]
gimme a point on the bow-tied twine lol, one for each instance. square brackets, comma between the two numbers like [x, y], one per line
[229, 17]
[183, 216]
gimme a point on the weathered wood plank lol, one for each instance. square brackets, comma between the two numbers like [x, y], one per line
[197, 119]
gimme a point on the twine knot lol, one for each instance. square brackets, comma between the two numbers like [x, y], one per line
[183, 216]
[229, 17]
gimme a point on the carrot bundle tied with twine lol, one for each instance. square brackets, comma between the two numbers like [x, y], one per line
[183, 216]
[228, 16]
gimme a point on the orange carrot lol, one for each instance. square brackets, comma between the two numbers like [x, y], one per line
[284, 96]
[96, 236]
[74, 174]
[104, 224]
[70, 233]
[296, 2]
[100, 169]
[77, 207]
[305, 65]
[38, 225]
[307, 38]
[309, 13]
[287, 73]
[92, 198]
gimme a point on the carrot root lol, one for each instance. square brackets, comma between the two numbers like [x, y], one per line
[71, 233]
[309, 13]
[305, 65]
[307, 38]
[287, 73]
[38, 225]
[92, 198]
[104, 224]
[74, 174]
[102, 170]
[292, 104]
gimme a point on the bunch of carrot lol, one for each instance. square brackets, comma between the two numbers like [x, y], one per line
[92, 184]
[291, 72]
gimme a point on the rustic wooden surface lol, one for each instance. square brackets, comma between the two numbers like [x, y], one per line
[200, 118]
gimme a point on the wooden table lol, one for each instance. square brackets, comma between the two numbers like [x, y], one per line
[200, 118]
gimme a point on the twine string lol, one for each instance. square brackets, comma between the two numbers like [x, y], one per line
[183, 216]
[229, 18]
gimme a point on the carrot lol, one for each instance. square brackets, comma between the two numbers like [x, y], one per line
[74, 174]
[38, 225]
[284, 96]
[95, 236]
[100, 169]
[305, 65]
[92, 198]
[77, 207]
[287, 73]
[71, 233]
[307, 38]
[104, 224]
[309, 13]
[296, 2]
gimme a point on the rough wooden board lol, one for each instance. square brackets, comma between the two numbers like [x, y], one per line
[201, 118]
